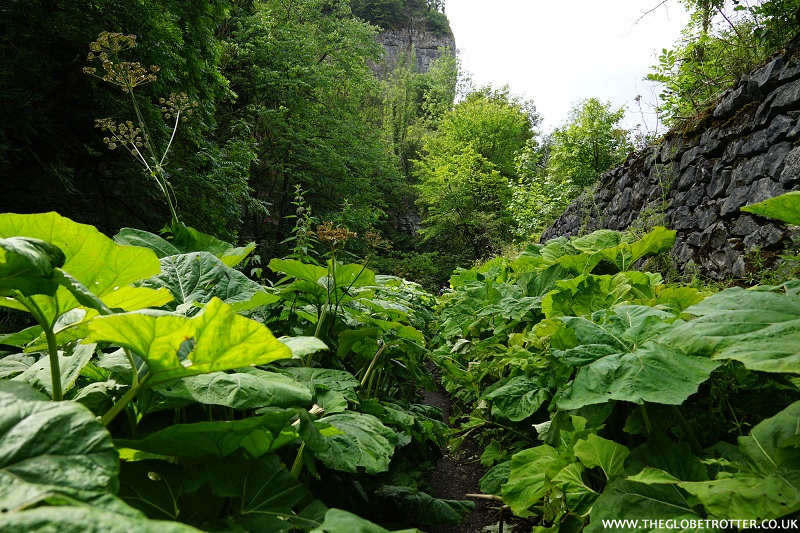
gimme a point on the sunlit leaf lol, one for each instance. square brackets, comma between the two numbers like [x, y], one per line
[219, 339]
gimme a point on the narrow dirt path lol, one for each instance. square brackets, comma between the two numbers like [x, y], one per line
[459, 474]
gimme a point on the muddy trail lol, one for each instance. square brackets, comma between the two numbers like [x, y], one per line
[459, 473]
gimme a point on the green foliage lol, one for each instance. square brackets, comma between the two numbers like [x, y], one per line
[722, 42]
[303, 84]
[591, 143]
[395, 14]
[214, 404]
[466, 168]
[615, 371]
[217, 339]
[785, 207]
[364, 442]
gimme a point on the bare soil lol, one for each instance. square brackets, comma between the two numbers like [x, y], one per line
[457, 474]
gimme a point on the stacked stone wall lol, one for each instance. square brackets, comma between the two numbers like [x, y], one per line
[744, 150]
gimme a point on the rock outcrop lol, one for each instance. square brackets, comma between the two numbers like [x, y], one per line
[744, 150]
[425, 43]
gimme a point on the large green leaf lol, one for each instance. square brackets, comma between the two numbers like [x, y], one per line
[145, 239]
[624, 498]
[613, 250]
[219, 340]
[250, 389]
[425, 508]
[623, 329]
[324, 379]
[652, 373]
[767, 485]
[517, 399]
[607, 454]
[155, 487]
[364, 442]
[93, 259]
[619, 361]
[347, 276]
[27, 265]
[266, 496]
[70, 364]
[627, 499]
[195, 278]
[85, 520]
[760, 329]
[585, 294]
[187, 239]
[49, 449]
[493, 480]
[302, 346]
[785, 207]
[258, 435]
[529, 480]
[338, 521]
[298, 269]
[579, 497]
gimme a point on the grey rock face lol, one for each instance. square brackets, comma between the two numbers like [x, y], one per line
[426, 47]
[745, 154]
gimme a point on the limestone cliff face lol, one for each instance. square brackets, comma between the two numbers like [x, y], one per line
[399, 41]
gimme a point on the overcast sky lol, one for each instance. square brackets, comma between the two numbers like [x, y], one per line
[556, 52]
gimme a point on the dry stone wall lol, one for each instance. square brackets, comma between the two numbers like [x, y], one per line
[745, 150]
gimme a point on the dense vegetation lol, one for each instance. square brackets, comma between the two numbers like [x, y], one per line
[599, 392]
[724, 40]
[232, 360]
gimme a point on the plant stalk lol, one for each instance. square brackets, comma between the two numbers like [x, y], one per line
[134, 369]
[372, 364]
[55, 367]
[52, 344]
[693, 442]
[124, 401]
[646, 418]
[297, 466]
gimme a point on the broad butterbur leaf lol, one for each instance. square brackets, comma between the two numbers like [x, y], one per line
[578, 496]
[768, 484]
[585, 294]
[97, 262]
[298, 269]
[653, 373]
[187, 240]
[145, 239]
[760, 329]
[195, 278]
[302, 346]
[51, 448]
[425, 508]
[86, 520]
[607, 332]
[517, 399]
[219, 340]
[785, 207]
[363, 442]
[624, 498]
[266, 496]
[28, 265]
[71, 363]
[530, 476]
[606, 454]
[249, 389]
[497, 476]
[258, 435]
[338, 521]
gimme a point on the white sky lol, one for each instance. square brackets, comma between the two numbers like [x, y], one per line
[556, 52]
